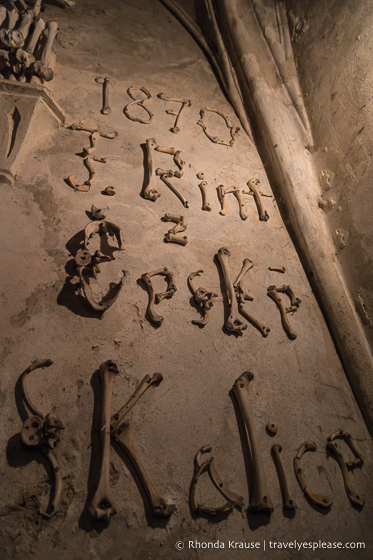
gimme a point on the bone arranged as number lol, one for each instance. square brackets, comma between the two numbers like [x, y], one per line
[321, 501]
[106, 109]
[253, 186]
[233, 322]
[139, 102]
[273, 293]
[42, 432]
[102, 505]
[209, 465]
[260, 500]
[202, 298]
[232, 130]
[205, 203]
[120, 433]
[171, 235]
[155, 298]
[184, 103]
[288, 503]
[354, 497]
[222, 191]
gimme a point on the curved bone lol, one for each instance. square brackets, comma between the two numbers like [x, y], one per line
[106, 109]
[39, 432]
[281, 269]
[287, 502]
[88, 162]
[295, 301]
[38, 29]
[103, 227]
[99, 213]
[205, 203]
[317, 500]
[184, 103]
[120, 432]
[109, 191]
[354, 497]
[233, 322]
[93, 141]
[164, 177]
[202, 298]
[273, 294]
[347, 438]
[260, 500]
[253, 186]
[43, 67]
[81, 188]
[232, 498]
[139, 102]
[180, 226]
[232, 130]
[178, 161]
[150, 189]
[86, 128]
[155, 298]
[102, 505]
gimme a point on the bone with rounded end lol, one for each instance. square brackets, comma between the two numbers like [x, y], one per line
[221, 196]
[281, 269]
[93, 141]
[202, 298]
[287, 501]
[13, 17]
[205, 203]
[260, 501]
[253, 186]
[233, 322]
[91, 129]
[347, 438]
[155, 298]
[272, 428]
[25, 23]
[184, 103]
[3, 14]
[317, 500]
[171, 235]
[106, 109]
[241, 203]
[37, 31]
[109, 191]
[82, 188]
[253, 321]
[164, 177]
[273, 294]
[102, 505]
[295, 301]
[45, 58]
[241, 294]
[354, 497]
[150, 190]
[232, 130]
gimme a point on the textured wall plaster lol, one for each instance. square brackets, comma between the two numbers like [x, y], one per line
[299, 384]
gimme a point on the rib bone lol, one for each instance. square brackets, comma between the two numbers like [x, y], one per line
[102, 505]
[202, 298]
[288, 503]
[233, 322]
[106, 109]
[321, 501]
[155, 298]
[184, 103]
[347, 438]
[260, 500]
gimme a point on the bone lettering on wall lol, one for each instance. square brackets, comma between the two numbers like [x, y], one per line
[184, 103]
[139, 103]
[232, 129]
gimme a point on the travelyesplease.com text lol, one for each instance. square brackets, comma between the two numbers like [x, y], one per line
[268, 545]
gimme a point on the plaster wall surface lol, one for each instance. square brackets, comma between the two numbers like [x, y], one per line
[298, 384]
[333, 44]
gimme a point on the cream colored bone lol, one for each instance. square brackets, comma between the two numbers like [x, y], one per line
[164, 176]
[222, 192]
[260, 501]
[150, 191]
[38, 29]
[253, 186]
[287, 501]
[205, 203]
[93, 141]
[3, 14]
[42, 67]
[139, 102]
[103, 227]
[155, 298]
[120, 433]
[178, 161]
[281, 269]
[184, 103]
[102, 505]
[25, 23]
[232, 130]
[272, 292]
[171, 235]
[86, 128]
[354, 497]
[106, 109]
[241, 294]
[317, 500]
[13, 17]
[233, 322]
[202, 298]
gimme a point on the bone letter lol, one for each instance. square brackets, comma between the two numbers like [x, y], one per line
[102, 505]
[317, 500]
[150, 189]
[287, 502]
[233, 322]
[205, 203]
[260, 500]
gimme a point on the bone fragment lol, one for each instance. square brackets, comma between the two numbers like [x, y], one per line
[25, 60]
[86, 128]
[88, 162]
[281, 269]
[36, 8]
[102, 505]
[295, 301]
[222, 191]
[106, 109]
[273, 294]
[233, 322]
[155, 298]
[139, 102]
[11, 38]
[99, 213]
[171, 235]
[82, 188]
[232, 130]
[272, 428]
[205, 203]
[201, 176]
[184, 103]
[253, 186]
[260, 500]
[150, 191]
[253, 321]
[109, 191]
[317, 500]
[103, 227]
[164, 177]
[287, 502]
[179, 162]
[241, 294]
[354, 497]
[38, 29]
[202, 298]
[93, 141]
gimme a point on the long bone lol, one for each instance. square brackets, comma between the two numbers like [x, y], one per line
[281, 269]
[347, 438]
[42, 67]
[233, 322]
[208, 465]
[38, 29]
[260, 500]
[106, 109]
[253, 186]
[272, 292]
[139, 102]
[354, 497]
[232, 129]
[150, 190]
[88, 162]
[103, 227]
[120, 433]
[3, 14]
[184, 103]
[102, 505]
[165, 176]
[287, 501]
[93, 141]
[42, 432]
[88, 266]
[178, 161]
[155, 298]
[317, 500]
[86, 128]
[205, 203]
[222, 191]
[171, 235]
[24, 25]
[202, 298]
